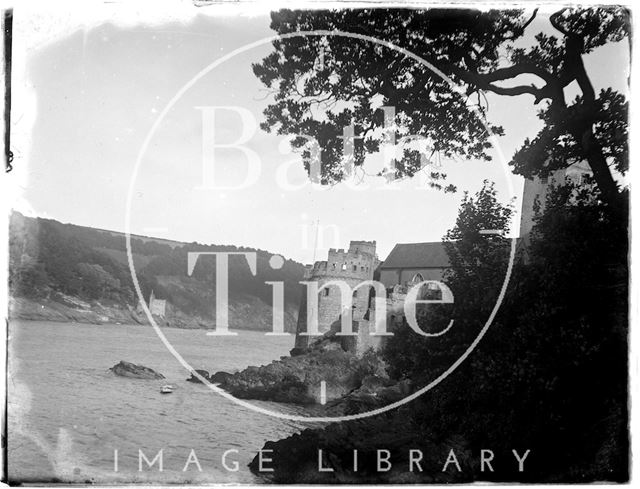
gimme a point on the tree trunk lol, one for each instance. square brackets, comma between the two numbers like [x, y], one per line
[601, 171]
[584, 132]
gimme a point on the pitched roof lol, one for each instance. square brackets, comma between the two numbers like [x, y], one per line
[417, 255]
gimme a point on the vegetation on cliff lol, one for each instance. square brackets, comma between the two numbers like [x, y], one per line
[69, 269]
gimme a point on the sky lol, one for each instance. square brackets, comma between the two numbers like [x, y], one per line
[98, 91]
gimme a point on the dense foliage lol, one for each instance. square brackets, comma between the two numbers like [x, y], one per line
[551, 373]
[479, 264]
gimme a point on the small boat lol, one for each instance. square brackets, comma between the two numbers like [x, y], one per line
[166, 389]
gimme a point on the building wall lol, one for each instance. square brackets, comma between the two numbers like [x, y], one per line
[352, 266]
[394, 316]
[391, 277]
[534, 189]
[158, 307]
[538, 188]
[365, 341]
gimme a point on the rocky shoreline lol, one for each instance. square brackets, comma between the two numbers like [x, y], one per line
[325, 455]
[350, 381]
[91, 313]
[353, 384]
[72, 310]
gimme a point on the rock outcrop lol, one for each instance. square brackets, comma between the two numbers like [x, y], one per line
[219, 377]
[128, 369]
[298, 379]
[353, 385]
[374, 392]
[196, 380]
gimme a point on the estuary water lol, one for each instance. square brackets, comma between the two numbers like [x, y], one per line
[68, 414]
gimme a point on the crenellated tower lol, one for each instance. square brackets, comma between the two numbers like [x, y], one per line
[352, 266]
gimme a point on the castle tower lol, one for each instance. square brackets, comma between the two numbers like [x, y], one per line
[353, 267]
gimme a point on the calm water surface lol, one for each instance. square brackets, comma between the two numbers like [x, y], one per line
[68, 413]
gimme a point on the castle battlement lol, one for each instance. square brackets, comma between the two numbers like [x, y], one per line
[357, 262]
[354, 265]
[363, 247]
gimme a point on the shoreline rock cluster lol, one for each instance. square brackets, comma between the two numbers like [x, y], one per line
[216, 378]
[297, 379]
[133, 371]
[352, 385]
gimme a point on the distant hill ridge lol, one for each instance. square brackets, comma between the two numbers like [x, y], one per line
[50, 261]
[146, 239]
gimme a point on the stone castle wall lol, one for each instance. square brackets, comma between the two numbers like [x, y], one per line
[352, 266]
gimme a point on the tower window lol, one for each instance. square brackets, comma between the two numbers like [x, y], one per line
[326, 292]
[355, 268]
[344, 267]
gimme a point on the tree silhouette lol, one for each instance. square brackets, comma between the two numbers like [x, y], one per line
[322, 84]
